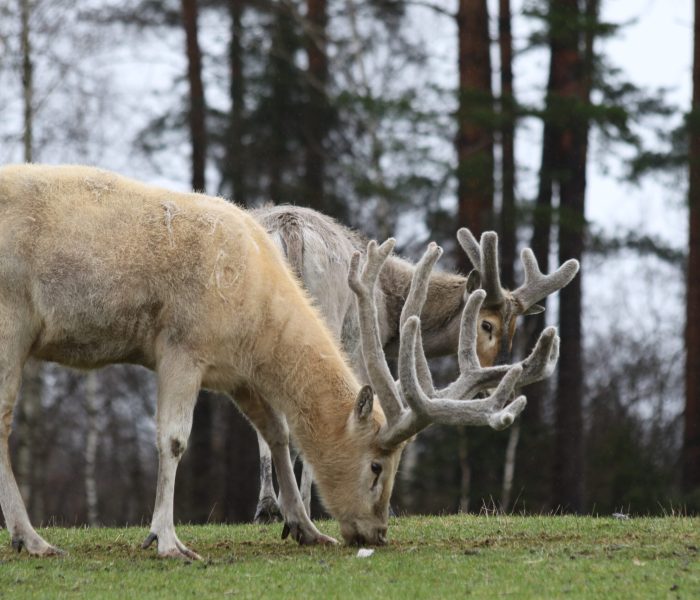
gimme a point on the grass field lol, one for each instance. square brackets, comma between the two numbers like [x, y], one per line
[428, 557]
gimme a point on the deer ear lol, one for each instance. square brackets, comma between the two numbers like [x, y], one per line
[365, 400]
[535, 309]
[473, 281]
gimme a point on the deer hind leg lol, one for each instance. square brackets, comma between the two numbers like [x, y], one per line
[178, 384]
[273, 427]
[307, 478]
[267, 510]
[13, 508]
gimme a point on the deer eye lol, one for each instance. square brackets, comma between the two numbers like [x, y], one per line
[487, 327]
[376, 468]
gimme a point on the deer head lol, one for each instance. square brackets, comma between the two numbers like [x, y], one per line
[411, 404]
[502, 307]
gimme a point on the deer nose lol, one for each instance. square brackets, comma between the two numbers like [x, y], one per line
[503, 358]
[381, 536]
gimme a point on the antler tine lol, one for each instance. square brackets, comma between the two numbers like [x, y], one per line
[363, 286]
[537, 285]
[484, 256]
[490, 277]
[413, 307]
[491, 411]
[542, 361]
[469, 244]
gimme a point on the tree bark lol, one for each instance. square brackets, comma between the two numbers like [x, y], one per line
[27, 80]
[474, 141]
[474, 145]
[465, 481]
[200, 439]
[572, 83]
[197, 113]
[235, 168]
[317, 105]
[509, 466]
[507, 238]
[691, 434]
[92, 407]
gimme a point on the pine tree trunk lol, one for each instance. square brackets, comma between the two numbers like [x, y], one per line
[197, 111]
[465, 481]
[691, 435]
[573, 88]
[474, 142]
[92, 406]
[317, 105]
[27, 80]
[507, 238]
[236, 160]
[199, 453]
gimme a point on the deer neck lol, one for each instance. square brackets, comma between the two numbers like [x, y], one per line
[303, 374]
[441, 313]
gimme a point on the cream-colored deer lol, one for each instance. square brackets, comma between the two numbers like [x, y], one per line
[97, 269]
[319, 250]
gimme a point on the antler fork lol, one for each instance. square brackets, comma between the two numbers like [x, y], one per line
[484, 256]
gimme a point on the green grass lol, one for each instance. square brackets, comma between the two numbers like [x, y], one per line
[428, 557]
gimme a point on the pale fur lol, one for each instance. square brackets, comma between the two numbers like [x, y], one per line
[319, 250]
[96, 268]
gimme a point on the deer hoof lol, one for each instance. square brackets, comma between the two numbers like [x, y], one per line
[150, 538]
[36, 548]
[305, 538]
[181, 552]
[267, 512]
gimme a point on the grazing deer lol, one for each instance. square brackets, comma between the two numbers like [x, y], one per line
[319, 251]
[98, 269]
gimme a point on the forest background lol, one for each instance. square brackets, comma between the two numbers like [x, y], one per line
[565, 125]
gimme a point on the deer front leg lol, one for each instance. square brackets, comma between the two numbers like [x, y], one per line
[273, 427]
[13, 509]
[178, 384]
[267, 510]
